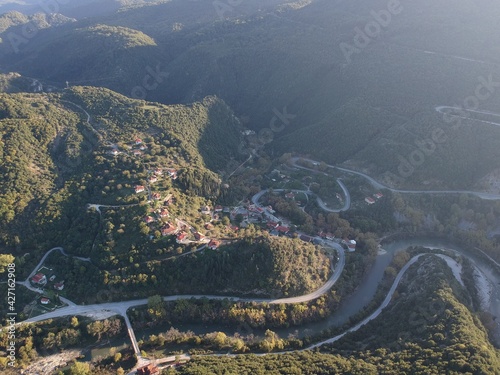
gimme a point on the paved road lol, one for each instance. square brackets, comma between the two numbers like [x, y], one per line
[377, 312]
[461, 113]
[322, 204]
[378, 185]
[27, 283]
[121, 307]
[386, 301]
[347, 204]
[97, 207]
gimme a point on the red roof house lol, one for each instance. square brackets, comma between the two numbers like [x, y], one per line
[369, 200]
[148, 370]
[39, 279]
[272, 224]
[283, 229]
[198, 236]
[168, 229]
[44, 301]
[181, 237]
[59, 286]
[213, 244]
[139, 188]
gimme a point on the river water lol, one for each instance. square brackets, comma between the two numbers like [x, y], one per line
[352, 304]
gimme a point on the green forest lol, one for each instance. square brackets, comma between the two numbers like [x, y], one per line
[427, 329]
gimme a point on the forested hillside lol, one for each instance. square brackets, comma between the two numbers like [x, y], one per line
[427, 329]
[371, 109]
[54, 163]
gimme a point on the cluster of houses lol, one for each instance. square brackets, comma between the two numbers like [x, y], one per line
[275, 229]
[371, 200]
[137, 147]
[40, 280]
[180, 231]
[157, 173]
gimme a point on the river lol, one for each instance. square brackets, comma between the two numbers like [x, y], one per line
[352, 304]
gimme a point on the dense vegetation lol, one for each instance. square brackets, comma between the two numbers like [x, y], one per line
[369, 125]
[277, 67]
[54, 164]
[49, 150]
[263, 266]
[427, 329]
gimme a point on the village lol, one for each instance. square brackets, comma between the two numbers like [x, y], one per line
[47, 281]
[256, 212]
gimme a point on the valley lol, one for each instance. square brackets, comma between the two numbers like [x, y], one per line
[271, 187]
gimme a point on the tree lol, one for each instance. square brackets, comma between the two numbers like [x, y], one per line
[5, 260]
[79, 368]
[155, 302]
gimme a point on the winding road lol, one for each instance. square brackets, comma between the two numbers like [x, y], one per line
[121, 308]
[460, 113]
[378, 185]
[384, 304]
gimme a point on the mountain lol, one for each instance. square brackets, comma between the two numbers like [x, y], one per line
[372, 108]
[10, 22]
[76, 8]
